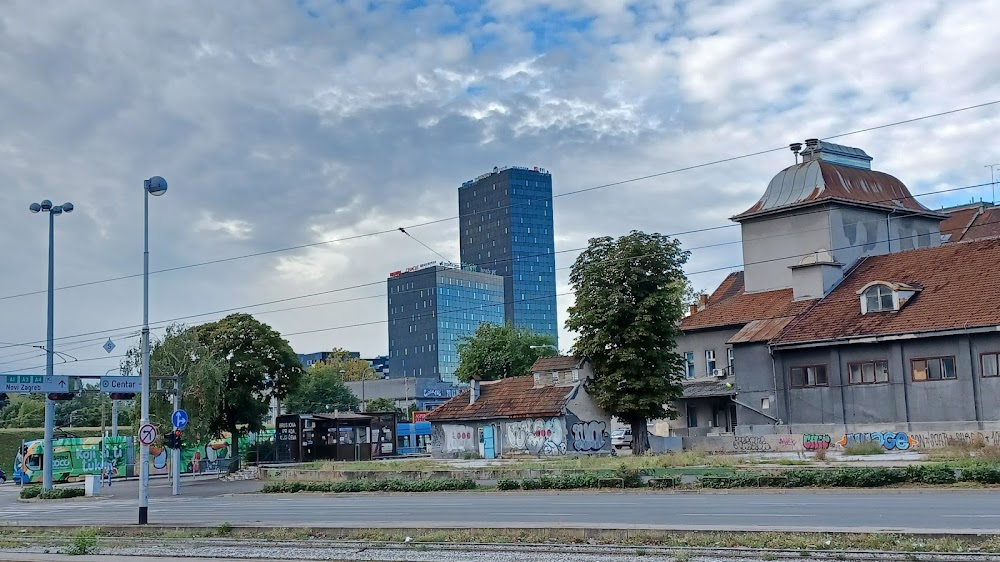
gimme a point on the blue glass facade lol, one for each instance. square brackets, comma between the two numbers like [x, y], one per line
[430, 311]
[506, 226]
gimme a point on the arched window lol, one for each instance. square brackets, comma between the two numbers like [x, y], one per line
[878, 298]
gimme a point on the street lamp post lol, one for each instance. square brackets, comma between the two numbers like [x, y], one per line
[155, 186]
[46, 206]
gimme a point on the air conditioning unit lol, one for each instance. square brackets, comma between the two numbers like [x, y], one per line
[719, 373]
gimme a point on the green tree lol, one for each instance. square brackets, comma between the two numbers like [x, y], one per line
[630, 294]
[381, 405]
[352, 368]
[322, 389]
[23, 411]
[261, 365]
[180, 355]
[497, 352]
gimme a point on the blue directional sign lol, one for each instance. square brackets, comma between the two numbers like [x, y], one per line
[180, 419]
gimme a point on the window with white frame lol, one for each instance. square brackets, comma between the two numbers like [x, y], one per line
[709, 360]
[730, 358]
[689, 364]
[878, 298]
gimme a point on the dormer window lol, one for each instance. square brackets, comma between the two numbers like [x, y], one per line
[882, 296]
[878, 298]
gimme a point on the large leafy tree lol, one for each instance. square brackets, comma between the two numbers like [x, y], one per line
[497, 352]
[260, 365]
[630, 294]
[202, 373]
[382, 405]
[321, 390]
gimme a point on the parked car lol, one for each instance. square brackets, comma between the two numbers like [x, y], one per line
[621, 438]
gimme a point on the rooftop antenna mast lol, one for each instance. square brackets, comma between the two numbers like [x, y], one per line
[993, 181]
[795, 147]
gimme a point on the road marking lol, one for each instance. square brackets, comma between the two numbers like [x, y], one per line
[716, 514]
[970, 515]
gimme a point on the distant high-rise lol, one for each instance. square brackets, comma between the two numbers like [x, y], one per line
[506, 226]
[431, 308]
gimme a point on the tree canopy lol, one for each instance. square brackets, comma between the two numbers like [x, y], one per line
[497, 352]
[321, 390]
[260, 365]
[630, 294]
[382, 405]
[354, 368]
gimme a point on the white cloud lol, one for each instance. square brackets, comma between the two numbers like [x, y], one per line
[278, 128]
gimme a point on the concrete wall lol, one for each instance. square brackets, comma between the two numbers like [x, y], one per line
[588, 427]
[699, 341]
[890, 439]
[757, 396]
[771, 245]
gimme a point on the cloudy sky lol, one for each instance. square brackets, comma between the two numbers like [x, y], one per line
[292, 124]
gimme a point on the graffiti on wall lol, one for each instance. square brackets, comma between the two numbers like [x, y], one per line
[891, 440]
[589, 436]
[459, 438]
[816, 441]
[944, 439]
[750, 444]
[544, 437]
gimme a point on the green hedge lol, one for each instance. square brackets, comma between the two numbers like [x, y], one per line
[30, 492]
[347, 486]
[856, 477]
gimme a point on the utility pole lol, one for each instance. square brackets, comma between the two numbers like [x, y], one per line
[176, 453]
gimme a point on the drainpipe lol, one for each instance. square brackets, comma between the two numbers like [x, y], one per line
[774, 384]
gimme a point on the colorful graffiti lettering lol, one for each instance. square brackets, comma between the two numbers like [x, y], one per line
[816, 441]
[538, 436]
[751, 444]
[589, 436]
[889, 439]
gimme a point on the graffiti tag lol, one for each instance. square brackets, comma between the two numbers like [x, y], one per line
[751, 444]
[537, 436]
[889, 439]
[589, 436]
[816, 441]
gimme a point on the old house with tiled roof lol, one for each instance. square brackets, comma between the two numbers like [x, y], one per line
[548, 412]
[850, 319]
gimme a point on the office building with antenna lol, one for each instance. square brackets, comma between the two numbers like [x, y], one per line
[506, 226]
[431, 308]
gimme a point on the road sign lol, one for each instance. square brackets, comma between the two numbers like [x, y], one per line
[34, 384]
[147, 434]
[118, 384]
[180, 419]
[109, 346]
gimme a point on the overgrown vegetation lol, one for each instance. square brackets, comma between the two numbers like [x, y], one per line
[84, 543]
[32, 492]
[863, 448]
[347, 486]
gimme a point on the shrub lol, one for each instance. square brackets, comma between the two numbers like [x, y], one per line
[84, 543]
[350, 486]
[864, 448]
[820, 454]
[508, 485]
[931, 474]
[61, 493]
[29, 492]
[984, 474]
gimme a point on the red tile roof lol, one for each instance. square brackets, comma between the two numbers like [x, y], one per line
[557, 363]
[972, 222]
[514, 397]
[958, 290]
[729, 305]
[761, 330]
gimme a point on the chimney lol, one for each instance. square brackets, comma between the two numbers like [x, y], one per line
[693, 310]
[795, 147]
[702, 300]
[473, 390]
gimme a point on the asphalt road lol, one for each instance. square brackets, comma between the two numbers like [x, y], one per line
[214, 503]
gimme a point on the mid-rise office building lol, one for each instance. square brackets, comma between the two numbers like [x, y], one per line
[506, 227]
[432, 307]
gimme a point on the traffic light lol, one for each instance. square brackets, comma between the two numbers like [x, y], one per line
[61, 396]
[122, 395]
[172, 440]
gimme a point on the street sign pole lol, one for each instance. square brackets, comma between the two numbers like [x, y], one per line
[176, 491]
[114, 418]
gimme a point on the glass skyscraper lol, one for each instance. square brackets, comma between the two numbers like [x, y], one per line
[506, 227]
[431, 308]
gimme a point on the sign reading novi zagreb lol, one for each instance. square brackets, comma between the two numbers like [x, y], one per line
[121, 384]
[34, 384]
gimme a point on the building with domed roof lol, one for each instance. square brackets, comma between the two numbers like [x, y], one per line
[849, 317]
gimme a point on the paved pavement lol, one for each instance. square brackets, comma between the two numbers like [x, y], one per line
[911, 510]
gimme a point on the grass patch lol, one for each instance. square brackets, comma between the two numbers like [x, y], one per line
[84, 543]
[863, 448]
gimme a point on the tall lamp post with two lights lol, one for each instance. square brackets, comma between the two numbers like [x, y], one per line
[46, 206]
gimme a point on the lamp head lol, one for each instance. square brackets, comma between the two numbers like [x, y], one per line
[34, 207]
[156, 186]
[57, 210]
[67, 207]
[46, 205]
